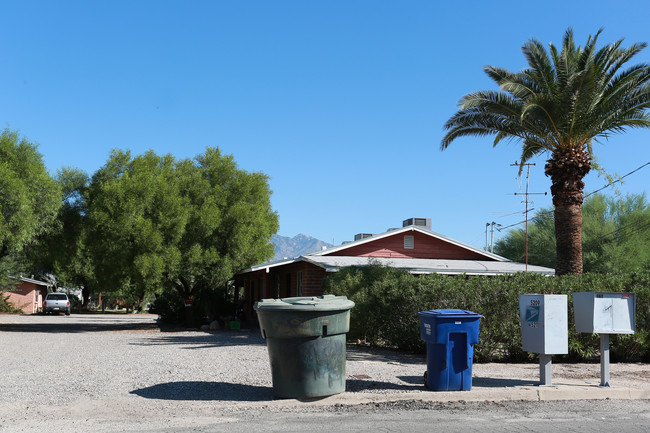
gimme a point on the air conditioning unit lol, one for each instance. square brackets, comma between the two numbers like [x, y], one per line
[420, 222]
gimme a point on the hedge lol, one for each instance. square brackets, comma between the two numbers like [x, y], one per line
[388, 300]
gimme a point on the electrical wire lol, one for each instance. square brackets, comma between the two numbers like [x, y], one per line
[540, 214]
[618, 180]
[623, 232]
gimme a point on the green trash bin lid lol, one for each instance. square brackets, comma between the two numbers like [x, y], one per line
[306, 303]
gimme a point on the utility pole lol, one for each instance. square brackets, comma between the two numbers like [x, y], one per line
[526, 194]
[491, 225]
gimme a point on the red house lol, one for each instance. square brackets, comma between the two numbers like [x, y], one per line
[414, 248]
[27, 295]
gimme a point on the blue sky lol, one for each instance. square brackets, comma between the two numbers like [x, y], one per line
[341, 103]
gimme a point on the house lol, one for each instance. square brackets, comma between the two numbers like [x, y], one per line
[414, 248]
[27, 295]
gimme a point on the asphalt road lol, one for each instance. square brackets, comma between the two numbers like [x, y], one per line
[543, 417]
[536, 417]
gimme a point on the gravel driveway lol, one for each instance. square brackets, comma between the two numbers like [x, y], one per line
[60, 370]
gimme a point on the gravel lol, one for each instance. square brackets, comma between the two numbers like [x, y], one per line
[62, 370]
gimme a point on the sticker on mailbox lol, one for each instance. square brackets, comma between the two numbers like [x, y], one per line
[532, 316]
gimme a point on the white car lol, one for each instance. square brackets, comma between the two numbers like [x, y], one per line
[56, 302]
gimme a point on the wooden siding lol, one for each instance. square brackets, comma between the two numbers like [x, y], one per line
[426, 247]
[281, 281]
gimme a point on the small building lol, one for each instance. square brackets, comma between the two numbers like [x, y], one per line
[414, 248]
[28, 294]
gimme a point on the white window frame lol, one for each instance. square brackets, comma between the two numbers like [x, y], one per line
[299, 283]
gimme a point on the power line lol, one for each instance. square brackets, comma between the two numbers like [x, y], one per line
[526, 194]
[618, 180]
[623, 231]
[587, 195]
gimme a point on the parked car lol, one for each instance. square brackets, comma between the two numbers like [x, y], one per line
[56, 303]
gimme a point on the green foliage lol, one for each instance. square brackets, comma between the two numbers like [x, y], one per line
[135, 220]
[615, 236]
[169, 305]
[563, 99]
[5, 305]
[189, 225]
[13, 264]
[388, 300]
[63, 251]
[29, 197]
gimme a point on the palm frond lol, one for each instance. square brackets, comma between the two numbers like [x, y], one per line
[563, 98]
[541, 69]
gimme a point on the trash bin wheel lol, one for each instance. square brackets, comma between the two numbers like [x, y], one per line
[426, 376]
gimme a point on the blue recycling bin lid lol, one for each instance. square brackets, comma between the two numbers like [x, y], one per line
[450, 313]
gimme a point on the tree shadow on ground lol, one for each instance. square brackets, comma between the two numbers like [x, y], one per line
[205, 391]
[75, 328]
[202, 340]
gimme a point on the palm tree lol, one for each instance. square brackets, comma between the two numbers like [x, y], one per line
[559, 105]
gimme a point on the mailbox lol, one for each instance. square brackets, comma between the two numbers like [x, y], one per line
[544, 324]
[604, 313]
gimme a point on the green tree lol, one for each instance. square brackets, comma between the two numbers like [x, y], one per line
[63, 251]
[615, 232]
[29, 197]
[541, 241]
[559, 105]
[136, 217]
[230, 222]
[188, 225]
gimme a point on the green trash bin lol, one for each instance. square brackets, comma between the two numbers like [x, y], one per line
[305, 337]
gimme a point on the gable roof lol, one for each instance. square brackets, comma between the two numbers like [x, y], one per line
[412, 228]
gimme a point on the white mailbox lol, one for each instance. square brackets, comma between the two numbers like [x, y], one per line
[544, 324]
[604, 313]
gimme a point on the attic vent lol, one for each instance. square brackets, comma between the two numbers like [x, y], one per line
[409, 242]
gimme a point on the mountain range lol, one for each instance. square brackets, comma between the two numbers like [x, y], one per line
[296, 246]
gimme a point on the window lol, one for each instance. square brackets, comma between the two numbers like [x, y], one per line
[299, 284]
[409, 242]
[287, 287]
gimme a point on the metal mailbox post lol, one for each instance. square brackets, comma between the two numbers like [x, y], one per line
[544, 329]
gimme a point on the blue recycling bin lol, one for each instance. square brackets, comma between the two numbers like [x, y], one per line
[450, 336]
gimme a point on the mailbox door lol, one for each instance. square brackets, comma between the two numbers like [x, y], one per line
[622, 315]
[603, 315]
[614, 313]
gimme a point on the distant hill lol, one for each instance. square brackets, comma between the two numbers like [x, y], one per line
[296, 246]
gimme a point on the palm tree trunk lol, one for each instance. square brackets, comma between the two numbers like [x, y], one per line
[567, 168]
[568, 237]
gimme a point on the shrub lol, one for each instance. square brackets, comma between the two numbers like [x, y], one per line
[388, 300]
[170, 306]
[5, 305]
